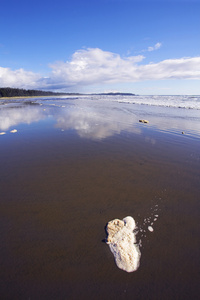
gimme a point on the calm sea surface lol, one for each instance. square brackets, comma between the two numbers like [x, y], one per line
[70, 165]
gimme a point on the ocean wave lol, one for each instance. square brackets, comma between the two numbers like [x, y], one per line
[187, 102]
[177, 101]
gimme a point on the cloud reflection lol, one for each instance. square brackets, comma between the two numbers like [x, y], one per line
[13, 116]
[94, 124]
[98, 120]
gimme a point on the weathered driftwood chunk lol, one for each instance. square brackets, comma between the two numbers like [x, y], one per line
[143, 121]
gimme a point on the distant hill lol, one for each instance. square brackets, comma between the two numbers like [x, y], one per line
[12, 92]
[117, 94]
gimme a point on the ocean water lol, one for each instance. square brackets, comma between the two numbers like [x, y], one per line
[69, 165]
[99, 116]
[189, 102]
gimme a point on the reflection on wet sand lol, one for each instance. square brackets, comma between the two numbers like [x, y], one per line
[19, 115]
[94, 124]
[96, 121]
[90, 124]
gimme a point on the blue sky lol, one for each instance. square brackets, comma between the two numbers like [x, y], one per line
[139, 46]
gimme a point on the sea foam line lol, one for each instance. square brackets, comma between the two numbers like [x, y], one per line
[122, 242]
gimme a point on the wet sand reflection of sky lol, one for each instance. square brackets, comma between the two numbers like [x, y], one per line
[93, 119]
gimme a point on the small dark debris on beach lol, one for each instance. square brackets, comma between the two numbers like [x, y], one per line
[144, 121]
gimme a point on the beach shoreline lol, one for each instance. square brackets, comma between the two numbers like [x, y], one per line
[64, 179]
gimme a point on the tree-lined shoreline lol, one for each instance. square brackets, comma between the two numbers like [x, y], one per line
[8, 92]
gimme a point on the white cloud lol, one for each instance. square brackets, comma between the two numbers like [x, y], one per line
[94, 66]
[155, 47]
[183, 68]
[18, 78]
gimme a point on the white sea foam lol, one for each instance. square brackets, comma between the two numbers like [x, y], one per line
[150, 228]
[189, 102]
[122, 243]
[176, 101]
[148, 224]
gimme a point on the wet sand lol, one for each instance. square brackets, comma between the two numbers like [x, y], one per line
[59, 190]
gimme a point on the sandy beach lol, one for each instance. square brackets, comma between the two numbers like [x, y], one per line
[71, 167]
